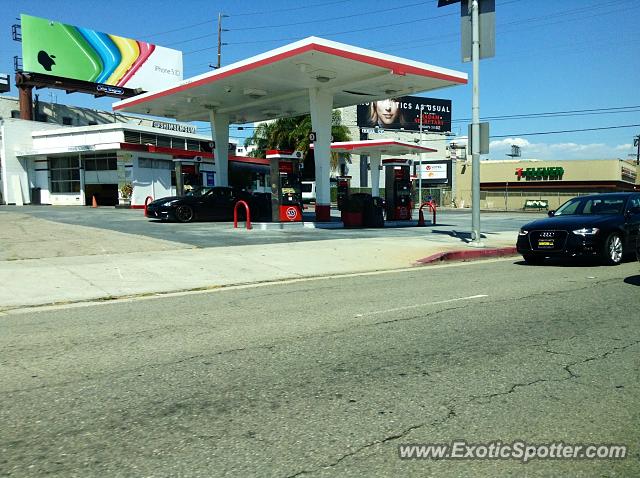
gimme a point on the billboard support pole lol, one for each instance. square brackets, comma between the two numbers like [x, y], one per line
[475, 128]
[26, 102]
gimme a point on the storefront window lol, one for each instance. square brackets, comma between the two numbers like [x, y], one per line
[65, 174]
[100, 162]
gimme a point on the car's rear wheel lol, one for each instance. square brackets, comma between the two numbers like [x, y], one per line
[533, 260]
[184, 214]
[612, 250]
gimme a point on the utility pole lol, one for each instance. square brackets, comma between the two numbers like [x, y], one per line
[475, 126]
[420, 165]
[220, 30]
[636, 143]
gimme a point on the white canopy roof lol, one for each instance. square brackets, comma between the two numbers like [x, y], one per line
[276, 83]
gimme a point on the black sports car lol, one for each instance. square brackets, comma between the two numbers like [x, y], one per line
[602, 225]
[212, 203]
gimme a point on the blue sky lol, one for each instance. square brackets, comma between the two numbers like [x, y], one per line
[557, 57]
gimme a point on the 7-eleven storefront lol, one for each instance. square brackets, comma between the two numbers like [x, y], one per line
[72, 166]
[508, 184]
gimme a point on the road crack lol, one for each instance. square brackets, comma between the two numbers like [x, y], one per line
[451, 413]
[567, 368]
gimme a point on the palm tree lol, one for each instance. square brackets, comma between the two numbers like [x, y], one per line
[293, 134]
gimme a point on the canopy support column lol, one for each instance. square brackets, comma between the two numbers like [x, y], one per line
[321, 106]
[375, 159]
[220, 136]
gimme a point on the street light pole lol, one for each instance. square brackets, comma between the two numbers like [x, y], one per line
[475, 128]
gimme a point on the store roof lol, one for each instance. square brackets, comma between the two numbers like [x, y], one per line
[275, 84]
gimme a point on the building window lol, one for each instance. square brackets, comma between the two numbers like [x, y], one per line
[15, 114]
[132, 137]
[100, 162]
[150, 163]
[67, 121]
[65, 174]
[177, 143]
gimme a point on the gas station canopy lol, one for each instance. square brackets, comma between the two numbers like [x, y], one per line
[381, 146]
[276, 84]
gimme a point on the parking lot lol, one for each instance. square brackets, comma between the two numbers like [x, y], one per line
[456, 223]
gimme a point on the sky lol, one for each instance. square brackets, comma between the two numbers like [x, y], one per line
[570, 66]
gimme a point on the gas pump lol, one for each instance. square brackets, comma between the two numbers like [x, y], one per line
[343, 184]
[398, 190]
[286, 185]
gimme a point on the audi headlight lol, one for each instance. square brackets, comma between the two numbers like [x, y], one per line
[586, 231]
[523, 232]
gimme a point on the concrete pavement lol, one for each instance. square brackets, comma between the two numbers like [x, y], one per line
[78, 263]
[328, 377]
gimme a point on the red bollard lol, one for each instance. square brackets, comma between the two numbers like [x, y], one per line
[235, 214]
[432, 207]
[147, 200]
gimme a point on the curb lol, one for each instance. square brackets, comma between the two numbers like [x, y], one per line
[467, 255]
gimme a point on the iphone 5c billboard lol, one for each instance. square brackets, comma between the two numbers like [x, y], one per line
[78, 53]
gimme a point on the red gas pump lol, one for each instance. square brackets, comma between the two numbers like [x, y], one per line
[286, 185]
[398, 189]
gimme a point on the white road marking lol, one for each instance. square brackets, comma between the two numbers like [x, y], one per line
[415, 306]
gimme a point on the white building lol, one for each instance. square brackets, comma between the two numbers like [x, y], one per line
[44, 162]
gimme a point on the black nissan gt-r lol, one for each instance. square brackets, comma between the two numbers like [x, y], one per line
[209, 203]
[601, 225]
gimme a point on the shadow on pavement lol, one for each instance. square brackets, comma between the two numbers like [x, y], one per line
[633, 280]
[463, 236]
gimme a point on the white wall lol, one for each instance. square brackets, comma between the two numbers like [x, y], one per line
[16, 139]
[150, 182]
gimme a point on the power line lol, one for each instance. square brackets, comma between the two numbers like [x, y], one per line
[539, 133]
[439, 39]
[307, 22]
[186, 27]
[552, 114]
[192, 25]
[525, 21]
[304, 7]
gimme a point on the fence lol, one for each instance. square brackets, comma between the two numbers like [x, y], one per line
[506, 200]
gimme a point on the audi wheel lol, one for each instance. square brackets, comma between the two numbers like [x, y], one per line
[612, 250]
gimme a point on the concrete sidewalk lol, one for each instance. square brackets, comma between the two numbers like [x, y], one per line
[51, 280]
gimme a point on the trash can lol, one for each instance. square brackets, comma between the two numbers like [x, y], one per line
[373, 214]
[353, 210]
[36, 196]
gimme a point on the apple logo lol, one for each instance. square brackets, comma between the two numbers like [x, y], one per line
[46, 60]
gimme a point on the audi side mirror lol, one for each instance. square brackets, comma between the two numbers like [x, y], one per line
[551, 213]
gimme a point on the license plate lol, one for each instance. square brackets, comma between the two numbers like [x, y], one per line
[545, 243]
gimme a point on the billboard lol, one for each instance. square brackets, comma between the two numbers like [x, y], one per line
[433, 170]
[404, 113]
[66, 51]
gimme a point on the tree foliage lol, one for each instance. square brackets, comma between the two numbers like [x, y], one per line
[293, 134]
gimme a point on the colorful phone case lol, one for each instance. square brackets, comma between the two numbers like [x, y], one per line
[108, 51]
[65, 50]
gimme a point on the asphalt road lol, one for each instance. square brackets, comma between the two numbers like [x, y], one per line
[326, 377]
[212, 234]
